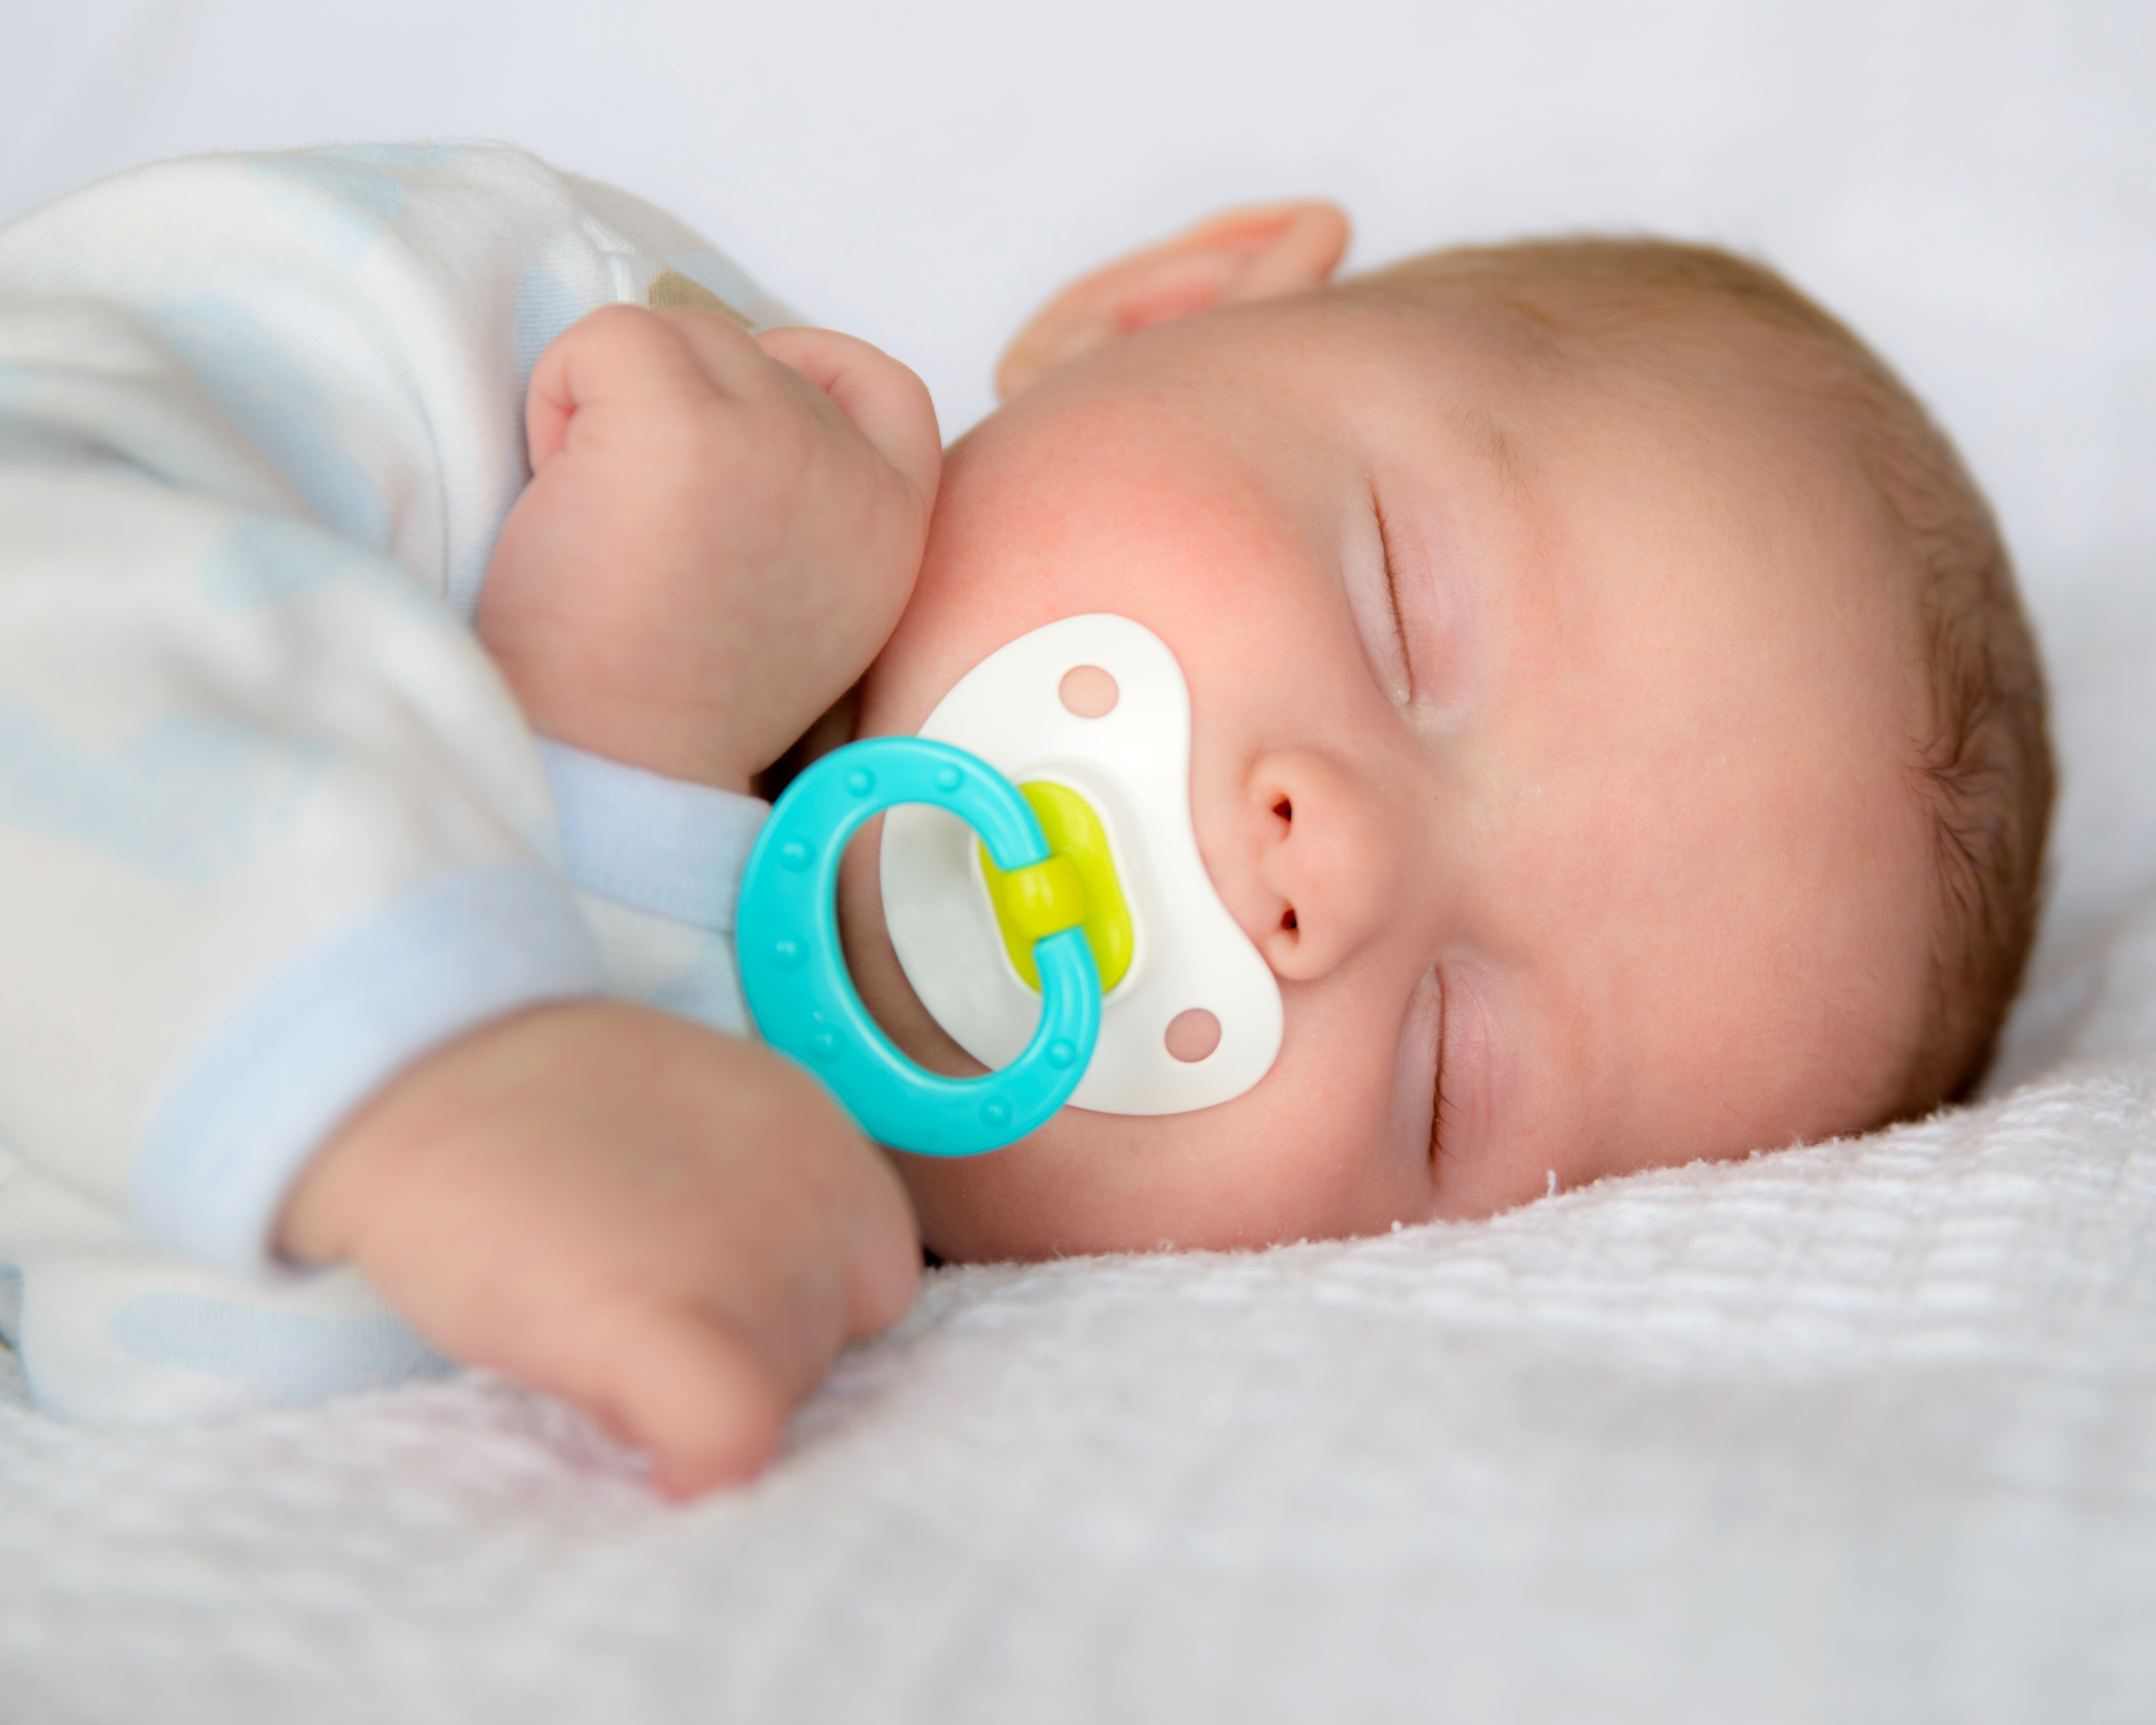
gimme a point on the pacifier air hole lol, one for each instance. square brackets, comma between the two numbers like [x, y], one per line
[1088, 691]
[1191, 1035]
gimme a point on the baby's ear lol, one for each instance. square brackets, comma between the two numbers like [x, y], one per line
[1228, 260]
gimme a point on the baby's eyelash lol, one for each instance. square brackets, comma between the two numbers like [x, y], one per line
[1437, 1095]
[1393, 590]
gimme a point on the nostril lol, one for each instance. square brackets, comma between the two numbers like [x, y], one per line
[1284, 809]
[1288, 919]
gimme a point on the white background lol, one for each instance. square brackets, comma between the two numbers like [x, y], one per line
[1967, 180]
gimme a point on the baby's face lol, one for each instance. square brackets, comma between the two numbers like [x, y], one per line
[1551, 740]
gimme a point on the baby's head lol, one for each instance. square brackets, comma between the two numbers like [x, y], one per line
[1613, 720]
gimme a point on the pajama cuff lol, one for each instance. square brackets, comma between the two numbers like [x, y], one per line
[281, 1074]
[656, 844]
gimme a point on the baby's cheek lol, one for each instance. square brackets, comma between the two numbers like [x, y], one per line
[1334, 1142]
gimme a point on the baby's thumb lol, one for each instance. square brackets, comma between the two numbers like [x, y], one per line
[883, 398]
[693, 1397]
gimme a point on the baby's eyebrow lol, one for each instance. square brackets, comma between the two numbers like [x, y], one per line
[1481, 428]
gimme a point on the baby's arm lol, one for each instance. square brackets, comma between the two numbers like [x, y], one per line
[675, 1230]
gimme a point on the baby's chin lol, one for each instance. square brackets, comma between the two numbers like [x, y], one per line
[1030, 1200]
[1089, 1183]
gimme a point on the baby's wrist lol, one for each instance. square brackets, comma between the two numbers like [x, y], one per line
[321, 1218]
[445, 1095]
[577, 680]
[620, 729]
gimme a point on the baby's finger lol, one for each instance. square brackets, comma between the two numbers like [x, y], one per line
[731, 359]
[692, 1396]
[624, 355]
[881, 395]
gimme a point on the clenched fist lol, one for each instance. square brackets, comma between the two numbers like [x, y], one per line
[720, 534]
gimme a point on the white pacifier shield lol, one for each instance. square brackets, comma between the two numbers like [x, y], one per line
[1133, 766]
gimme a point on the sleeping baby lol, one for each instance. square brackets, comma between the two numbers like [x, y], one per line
[1612, 735]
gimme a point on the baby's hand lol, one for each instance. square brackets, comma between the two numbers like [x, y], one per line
[673, 1229]
[720, 532]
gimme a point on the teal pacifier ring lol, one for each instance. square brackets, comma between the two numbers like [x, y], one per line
[793, 972]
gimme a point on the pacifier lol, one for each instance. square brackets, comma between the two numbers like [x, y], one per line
[1043, 888]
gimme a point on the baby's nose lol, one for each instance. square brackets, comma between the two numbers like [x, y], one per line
[1331, 858]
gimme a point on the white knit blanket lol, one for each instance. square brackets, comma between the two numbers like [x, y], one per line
[1864, 1429]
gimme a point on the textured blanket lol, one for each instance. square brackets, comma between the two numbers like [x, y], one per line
[1858, 1430]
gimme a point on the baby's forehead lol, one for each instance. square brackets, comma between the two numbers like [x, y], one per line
[1444, 397]
[1750, 404]
[1584, 346]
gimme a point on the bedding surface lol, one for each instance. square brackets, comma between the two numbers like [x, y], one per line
[1851, 1431]
[1857, 1430]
